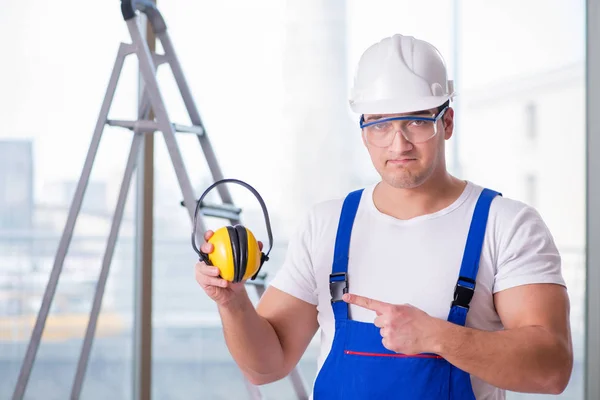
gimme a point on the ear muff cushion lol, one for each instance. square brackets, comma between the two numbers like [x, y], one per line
[243, 250]
[254, 255]
[235, 247]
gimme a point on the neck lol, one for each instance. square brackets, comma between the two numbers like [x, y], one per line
[437, 193]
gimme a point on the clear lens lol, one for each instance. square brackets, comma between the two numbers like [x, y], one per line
[415, 129]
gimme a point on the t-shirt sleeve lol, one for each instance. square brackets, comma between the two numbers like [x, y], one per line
[296, 276]
[527, 253]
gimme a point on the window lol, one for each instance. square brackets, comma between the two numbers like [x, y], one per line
[52, 92]
[270, 81]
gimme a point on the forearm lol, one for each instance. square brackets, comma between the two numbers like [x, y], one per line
[252, 341]
[528, 359]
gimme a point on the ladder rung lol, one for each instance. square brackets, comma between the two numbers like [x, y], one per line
[226, 211]
[220, 214]
[145, 125]
[159, 59]
[224, 207]
[198, 130]
[142, 125]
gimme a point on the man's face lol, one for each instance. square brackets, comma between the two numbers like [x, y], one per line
[404, 164]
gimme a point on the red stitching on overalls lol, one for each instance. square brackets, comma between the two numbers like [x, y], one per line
[362, 353]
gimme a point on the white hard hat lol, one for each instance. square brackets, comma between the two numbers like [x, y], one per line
[400, 74]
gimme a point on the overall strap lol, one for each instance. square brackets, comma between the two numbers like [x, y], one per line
[465, 286]
[338, 280]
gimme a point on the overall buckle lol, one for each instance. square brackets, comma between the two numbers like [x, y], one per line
[338, 285]
[463, 294]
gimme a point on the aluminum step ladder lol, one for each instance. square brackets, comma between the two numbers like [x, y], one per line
[151, 103]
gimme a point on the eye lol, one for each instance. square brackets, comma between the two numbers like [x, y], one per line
[382, 126]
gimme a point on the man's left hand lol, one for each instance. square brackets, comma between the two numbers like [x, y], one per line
[405, 329]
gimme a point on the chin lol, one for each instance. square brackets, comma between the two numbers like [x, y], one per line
[405, 178]
[404, 182]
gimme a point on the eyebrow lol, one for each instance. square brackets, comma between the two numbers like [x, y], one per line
[379, 116]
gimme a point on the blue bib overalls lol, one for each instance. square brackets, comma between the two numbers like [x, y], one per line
[359, 366]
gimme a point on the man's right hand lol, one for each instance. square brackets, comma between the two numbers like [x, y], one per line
[267, 341]
[218, 289]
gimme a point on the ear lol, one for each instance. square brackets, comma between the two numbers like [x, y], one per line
[362, 134]
[448, 121]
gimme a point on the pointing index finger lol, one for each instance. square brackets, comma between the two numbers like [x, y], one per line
[365, 302]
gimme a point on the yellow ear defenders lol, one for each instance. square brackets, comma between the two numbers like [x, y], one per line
[236, 252]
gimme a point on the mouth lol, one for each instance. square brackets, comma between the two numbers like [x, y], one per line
[401, 161]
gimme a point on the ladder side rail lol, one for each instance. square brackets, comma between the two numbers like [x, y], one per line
[106, 263]
[67, 234]
[188, 100]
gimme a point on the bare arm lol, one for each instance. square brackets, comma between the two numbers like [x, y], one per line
[267, 342]
[533, 353]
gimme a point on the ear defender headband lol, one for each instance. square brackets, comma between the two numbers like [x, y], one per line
[236, 252]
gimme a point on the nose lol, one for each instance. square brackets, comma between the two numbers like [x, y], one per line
[399, 143]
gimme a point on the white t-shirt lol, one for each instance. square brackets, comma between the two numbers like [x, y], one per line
[417, 261]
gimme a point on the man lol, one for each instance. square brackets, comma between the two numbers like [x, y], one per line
[424, 286]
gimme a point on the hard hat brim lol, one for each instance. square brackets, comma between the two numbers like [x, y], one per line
[394, 106]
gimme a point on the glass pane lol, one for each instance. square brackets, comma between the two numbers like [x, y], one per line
[190, 355]
[52, 89]
[522, 125]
